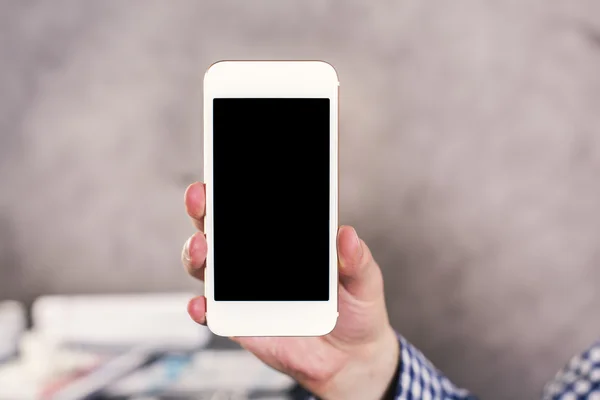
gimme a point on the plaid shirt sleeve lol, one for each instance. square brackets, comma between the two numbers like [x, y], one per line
[579, 379]
[419, 379]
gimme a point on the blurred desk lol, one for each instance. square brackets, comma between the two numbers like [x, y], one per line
[106, 347]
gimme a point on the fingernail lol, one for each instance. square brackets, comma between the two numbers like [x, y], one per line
[186, 250]
[359, 249]
[356, 254]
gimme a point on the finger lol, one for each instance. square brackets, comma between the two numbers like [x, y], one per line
[193, 255]
[195, 203]
[359, 273]
[197, 309]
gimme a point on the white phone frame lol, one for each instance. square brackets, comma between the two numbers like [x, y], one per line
[271, 79]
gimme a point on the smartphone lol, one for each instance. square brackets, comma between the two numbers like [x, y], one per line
[271, 175]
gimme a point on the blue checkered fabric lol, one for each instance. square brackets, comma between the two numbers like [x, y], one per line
[420, 380]
[579, 379]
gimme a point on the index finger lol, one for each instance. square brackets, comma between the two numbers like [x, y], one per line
[195, 204]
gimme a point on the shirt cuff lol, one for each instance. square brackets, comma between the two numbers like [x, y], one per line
[419, 379]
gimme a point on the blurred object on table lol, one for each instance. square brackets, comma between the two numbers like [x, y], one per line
[138, 346]
[119, 321]
[234, 373]
[13, 322]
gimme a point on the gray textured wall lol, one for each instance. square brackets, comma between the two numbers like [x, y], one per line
[470, 156]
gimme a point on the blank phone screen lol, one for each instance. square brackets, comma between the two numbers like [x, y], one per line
[271, 200]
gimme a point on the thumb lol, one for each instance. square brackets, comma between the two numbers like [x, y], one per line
[359, 273]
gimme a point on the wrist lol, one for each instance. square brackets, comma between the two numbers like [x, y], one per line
[368, 373]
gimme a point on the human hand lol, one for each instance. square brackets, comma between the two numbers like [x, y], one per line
[357, 360]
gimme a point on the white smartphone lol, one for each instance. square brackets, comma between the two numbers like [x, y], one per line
[271, 175]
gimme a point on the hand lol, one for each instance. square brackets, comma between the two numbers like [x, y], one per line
[357, 360]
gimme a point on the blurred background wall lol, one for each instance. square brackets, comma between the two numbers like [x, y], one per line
[470, 154]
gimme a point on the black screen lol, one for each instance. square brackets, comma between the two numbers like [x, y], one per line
[271, 199]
